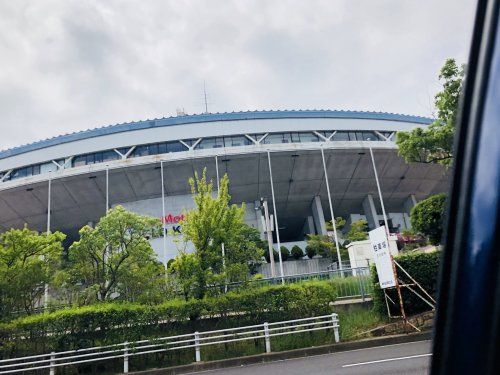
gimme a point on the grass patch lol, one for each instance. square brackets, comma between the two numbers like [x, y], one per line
[357, 320]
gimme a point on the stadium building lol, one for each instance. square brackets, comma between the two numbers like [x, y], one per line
[68, 181]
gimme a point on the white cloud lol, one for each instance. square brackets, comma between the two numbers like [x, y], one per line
[72, 65]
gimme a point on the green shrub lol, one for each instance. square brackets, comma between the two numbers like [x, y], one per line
[275, 255]
[285, 253]
[106, 323]
[297, 252]
[427, 217]
[310, 251]
[424, 268]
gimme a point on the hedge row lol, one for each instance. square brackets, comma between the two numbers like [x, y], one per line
[117, 322]
[424, 268]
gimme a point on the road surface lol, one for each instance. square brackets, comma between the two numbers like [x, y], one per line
[411, 358]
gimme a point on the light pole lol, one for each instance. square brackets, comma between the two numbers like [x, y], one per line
[378, 188]
[107, 190]
[269, 234]
[49, 195]
[275, 219]
[223, 249]
[331, 209]
[164, 232]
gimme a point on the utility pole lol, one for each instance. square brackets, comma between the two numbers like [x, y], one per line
[269, 235]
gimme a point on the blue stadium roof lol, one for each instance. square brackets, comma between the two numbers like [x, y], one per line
[211, 117]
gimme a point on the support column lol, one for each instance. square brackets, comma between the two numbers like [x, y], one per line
[408, 204]
[370, 212]
[318, 216]
[308, 227]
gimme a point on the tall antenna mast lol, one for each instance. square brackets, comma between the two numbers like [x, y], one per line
[205, 95]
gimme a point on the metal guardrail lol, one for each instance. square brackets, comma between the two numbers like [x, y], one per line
[195, 340]
[351, 283]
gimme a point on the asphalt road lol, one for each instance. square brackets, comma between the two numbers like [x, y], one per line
[410, 358]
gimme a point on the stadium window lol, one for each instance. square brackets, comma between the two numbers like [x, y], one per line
[18, 173]
[308, 137]
[295, 137]
[258, 136]
[352, 136]
[90, 159]
[273, 138]
[175, 147]
[189, 142]
[139, 151]
[219, 142]
[109, 155]
[47, 167]
[369, 136]
[340, 136]
[206, 143]
[78, 161]
[385, 134]
[162, 148]
[237, 140]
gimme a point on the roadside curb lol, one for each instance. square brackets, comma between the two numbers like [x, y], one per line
[289, 354]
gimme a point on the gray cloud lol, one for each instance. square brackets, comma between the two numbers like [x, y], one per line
[72, 65]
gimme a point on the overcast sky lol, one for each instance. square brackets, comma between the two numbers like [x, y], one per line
[72, 65]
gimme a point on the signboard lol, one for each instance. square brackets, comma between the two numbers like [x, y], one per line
[382, 256]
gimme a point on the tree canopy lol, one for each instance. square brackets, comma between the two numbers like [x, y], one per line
[435, 144]
[28, 260]
[358, 231]
[426, 217]
[115, 257]
[213, 222]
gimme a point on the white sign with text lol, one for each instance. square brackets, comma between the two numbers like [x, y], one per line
[382, 256]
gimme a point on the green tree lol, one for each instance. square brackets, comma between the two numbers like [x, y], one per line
[28, 260]
[115, 256]
[358, 231]
[435, 144]
[297, 252]
[321, 244]
[212, 223]
[426, 217]
[185, 268]
[339, 223]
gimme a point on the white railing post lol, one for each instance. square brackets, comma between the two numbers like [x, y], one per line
[335, 323]
[125, 358]
[52, 370]
[197, 346]
[267, 337]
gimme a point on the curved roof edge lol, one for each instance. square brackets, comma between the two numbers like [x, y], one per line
[210, 117]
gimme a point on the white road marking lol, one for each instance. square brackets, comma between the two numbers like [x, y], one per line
[388, 360]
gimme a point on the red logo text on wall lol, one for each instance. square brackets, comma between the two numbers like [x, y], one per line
[171, 219]
[175, 220]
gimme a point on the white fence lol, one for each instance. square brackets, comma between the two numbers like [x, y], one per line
[196, 340]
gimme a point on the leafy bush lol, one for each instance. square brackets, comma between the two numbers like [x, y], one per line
[427, 217]
[297, 252]
[424, 268]
[321, 244]
[358, 231]
[310, 251]
[285, 253]
[107, 323]
[275, 255]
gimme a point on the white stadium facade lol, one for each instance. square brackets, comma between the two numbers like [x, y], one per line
[68, 181]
